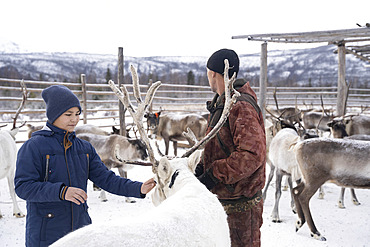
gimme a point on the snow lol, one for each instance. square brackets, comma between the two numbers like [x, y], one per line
[342, 227]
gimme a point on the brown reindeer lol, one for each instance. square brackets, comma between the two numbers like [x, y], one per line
[344, 162]
[338, 130]
[291, 114]
[171, 126]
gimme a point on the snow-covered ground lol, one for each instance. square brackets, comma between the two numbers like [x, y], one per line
[342, 227]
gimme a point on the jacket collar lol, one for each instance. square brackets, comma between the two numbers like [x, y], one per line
[51, 130]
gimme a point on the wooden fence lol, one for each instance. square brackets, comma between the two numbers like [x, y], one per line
[99, 102]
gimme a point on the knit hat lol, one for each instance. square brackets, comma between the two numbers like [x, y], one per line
[216, 62]
[58, 100]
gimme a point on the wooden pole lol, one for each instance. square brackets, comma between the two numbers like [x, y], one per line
[342, 88]
[122, 123]
[84, 98]
[263, 79]
[151, 104]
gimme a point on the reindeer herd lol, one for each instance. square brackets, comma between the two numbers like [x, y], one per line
[309, 147]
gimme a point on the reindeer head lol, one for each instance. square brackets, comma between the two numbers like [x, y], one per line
[152, 119]
[166, 170]
[171, 174]
[337, 128]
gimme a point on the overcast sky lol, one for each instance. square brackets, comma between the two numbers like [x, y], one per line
[168, 27]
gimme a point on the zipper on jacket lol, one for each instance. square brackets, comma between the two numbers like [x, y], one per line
[47, 168]
[88, 166]
[67, 144]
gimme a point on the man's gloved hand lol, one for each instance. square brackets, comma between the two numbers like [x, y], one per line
[208, 179]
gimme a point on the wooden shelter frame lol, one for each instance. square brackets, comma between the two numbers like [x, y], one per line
[332, 37]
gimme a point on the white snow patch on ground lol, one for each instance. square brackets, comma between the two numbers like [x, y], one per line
[341, 227]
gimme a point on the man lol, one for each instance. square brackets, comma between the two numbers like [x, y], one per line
[234, 160]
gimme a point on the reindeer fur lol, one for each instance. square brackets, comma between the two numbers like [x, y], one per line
[344, 162]
[187, 215]
[8, 155]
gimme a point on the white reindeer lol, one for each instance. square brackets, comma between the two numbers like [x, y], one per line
[271, 129]
[187, 213]
[285, 163]
[190, 216]
[8, 155]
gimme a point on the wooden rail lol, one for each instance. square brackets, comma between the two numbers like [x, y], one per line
[98, 98]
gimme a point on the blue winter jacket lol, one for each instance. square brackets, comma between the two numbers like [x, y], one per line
[44, 166]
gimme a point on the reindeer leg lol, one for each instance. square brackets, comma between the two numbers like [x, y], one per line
[292, 204]
[96, 188]
[286, 185]
[304, 199]
[123, 174]
[271, 175]
[354, 198]
[175, 148]
[16, 211]
[167, 144]
[296, 193]
[321, 193]
[275, 212]
[341, 198]
[103, 196]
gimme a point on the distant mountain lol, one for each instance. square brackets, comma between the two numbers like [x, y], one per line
[7, 46]
[304, 67]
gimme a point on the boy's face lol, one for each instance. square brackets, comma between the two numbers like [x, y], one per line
[68, 120]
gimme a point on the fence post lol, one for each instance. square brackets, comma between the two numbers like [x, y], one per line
[263, 79]
[84, 98]
[121, 107]
[342, 85]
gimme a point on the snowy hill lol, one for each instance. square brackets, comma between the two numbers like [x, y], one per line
[310, 67]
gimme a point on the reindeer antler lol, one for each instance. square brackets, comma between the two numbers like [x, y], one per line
[229, 102]
[138, 114]
[276, 102]
[24, 98]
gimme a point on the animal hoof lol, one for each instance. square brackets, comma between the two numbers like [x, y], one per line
[104, 200]
[18, 215]
[276, 221]
[130, 201]
[356, 202]
[341, 205]
[318, 236]
[298, 225]
[321, 196]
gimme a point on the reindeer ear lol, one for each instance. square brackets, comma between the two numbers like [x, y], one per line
[164, 168]
[194, 159]
[13, 132]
